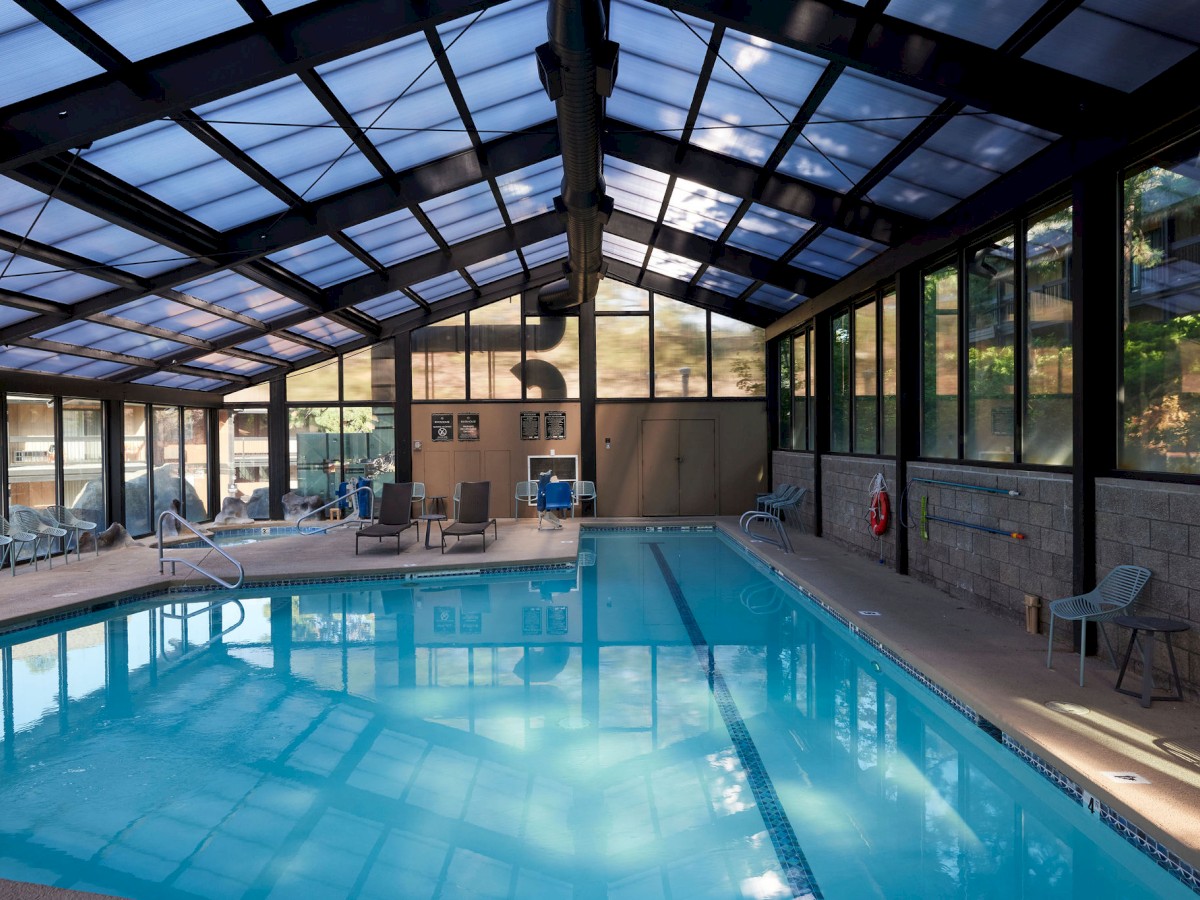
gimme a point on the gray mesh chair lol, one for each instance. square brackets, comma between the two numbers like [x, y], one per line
[1105, 601]
[584, 492]
[15, 537]
[29, 521]
[526, 493]
[67, 519]
[419, 494]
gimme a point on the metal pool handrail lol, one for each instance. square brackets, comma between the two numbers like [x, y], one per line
[783, 541]
[334, 502]
[180, 520]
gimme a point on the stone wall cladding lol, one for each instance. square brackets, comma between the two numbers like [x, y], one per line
[795, 468]
[1155, 525]
[846, 500]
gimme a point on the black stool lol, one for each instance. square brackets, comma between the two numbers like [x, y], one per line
[1148, 627]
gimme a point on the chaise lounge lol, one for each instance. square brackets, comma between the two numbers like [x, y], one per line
[473, 515]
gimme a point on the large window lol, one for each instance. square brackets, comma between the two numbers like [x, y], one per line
[801, 392]
[785, 394]
[939, 361]
[1160, 415]
[496, 351]
[680, 349]
[195, 464]
[866, 379]
[991, 348]
[82, 458]
[551, 358]
[1049, 380]
[888, 363]
[439, 361]
[739, 358]
[841, 375]
[243, 448]
[136, 470]
[623, 356]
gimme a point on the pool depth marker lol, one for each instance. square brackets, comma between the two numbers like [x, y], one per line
[787, 848]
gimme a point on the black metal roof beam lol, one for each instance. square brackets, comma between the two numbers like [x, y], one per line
[58, 311]
[306, 341]
[791, 195]
[62, 259]
[920, 57]
[213, 308]
[194, 74]
[732, 259]
[87, 352]
[152, 330]
[696, 296]
[1041, 23]
[352, 247]
[201, 372]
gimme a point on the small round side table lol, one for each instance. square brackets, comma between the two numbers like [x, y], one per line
[429, 519]
[1144, 628]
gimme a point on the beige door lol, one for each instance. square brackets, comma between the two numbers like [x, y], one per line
[679, 467]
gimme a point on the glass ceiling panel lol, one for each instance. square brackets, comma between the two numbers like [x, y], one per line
[531, 191]
[442, 286]
[948, 175]
[36, 59]
[635, 189]
[26, 358]
[624, 249]
[495, 268]
[278, 346]
[222, 362]
[990, 141]
[699, 209]
[29, 276]
[496, 67]
[393, 238]
[754, 93]
[10, 315]
[326, 331]
[836, 253]
[464, 213]
[925, 203]
[179, 317]
[545, 251]
[182, 382]
[168, 163]
[388, 305]
[322, 261]
[116, 340]
[776, 298]
[987, 23]
[672, 265]
[64, 226]
[283, 127]
[235, 292]
[278, 6]
[141, 28]
[1106, 47]
[724, 282]
[661, 58]
[767, 231]
[396, 90]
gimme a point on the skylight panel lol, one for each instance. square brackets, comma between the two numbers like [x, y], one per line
[98, 336]
[495, 268]
[661, 58]
[635, 189]
[388, 305]
[283, 127]
[28, 359]
[989, 24]
[767, 231]
[700, 209]
[393, 238]
[182, 382]
[277, 346]
[990, 141]
[493, 57]
[36, 59]
[178, 317]
[239, 294]
[542, 252]
[913, 199]
[322, 261]
[624, 249]
[672, 265]
[464, 213]
[38, 279]
[437, 288]
[142, 28]
[10, 315]
[723, 282]
[836, 253]
[396, 92]
[326, 331]
[223, 362]
[776, 298]
[531, 191]
[754, 92]
[166, 162]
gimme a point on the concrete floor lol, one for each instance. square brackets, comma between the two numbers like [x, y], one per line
[991, 664]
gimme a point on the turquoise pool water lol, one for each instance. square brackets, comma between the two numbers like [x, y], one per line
[234, 537]
[665, 721]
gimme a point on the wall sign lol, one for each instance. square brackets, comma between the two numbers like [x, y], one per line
[468, 426]
[531, 426]
[443, 426]
[556, 426]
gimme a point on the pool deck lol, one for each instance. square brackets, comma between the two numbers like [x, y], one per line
[989, 663]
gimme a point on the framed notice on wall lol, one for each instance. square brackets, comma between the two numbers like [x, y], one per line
[443, 427]
[468, 426]
[556, 426]
[531, 429]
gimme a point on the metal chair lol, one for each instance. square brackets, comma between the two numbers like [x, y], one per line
[763, 502]
[419, 494]
[29, 521]
[395, 515]
[67, 519]
[1105, 601]
[14, 536]
[552, 495]
[527, 493]
[457, 498]
[793, 502]
[584, 491]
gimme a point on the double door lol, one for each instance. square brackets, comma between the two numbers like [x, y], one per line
[679, 467]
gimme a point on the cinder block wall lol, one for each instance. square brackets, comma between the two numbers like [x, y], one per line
[846, 497]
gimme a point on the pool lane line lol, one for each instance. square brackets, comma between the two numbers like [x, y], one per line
[795, 866]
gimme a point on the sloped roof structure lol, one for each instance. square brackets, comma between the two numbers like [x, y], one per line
[205, 195]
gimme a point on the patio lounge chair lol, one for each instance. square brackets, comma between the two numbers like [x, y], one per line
[1105, 601]
[395, 515]
[28, 520]
[473, 518]
[66, 518]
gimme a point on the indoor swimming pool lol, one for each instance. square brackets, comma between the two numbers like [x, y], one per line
[665, 720]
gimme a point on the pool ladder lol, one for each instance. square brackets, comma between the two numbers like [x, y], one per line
[370, 517]
[782, 541]
[179, 520]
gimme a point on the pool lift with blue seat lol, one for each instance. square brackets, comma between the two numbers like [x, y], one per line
[551, 497]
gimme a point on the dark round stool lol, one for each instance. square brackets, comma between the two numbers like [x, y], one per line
[1144, 628]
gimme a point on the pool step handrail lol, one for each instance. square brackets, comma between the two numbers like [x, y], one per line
[751, 516]
[339, 523]
[189, 649]
[167, 515]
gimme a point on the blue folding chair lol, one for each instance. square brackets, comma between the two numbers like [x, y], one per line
[552, 496]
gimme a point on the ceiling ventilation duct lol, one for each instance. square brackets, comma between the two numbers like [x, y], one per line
[578, 67]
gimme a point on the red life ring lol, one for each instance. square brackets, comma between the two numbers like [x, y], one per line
[880, 513]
